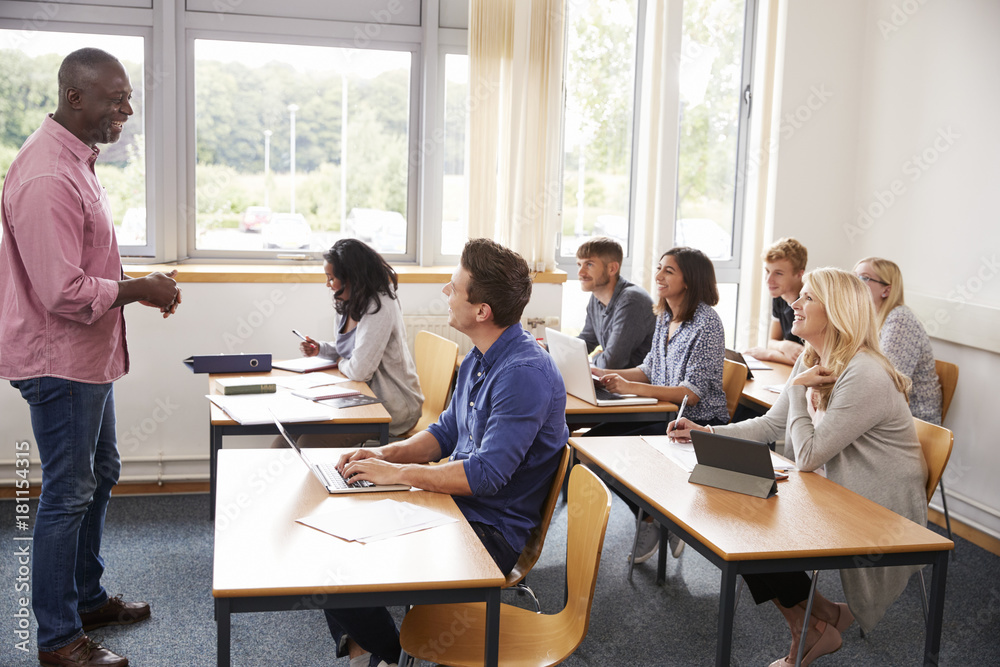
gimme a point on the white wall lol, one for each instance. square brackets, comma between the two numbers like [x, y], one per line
[910, 80]
[161, 406]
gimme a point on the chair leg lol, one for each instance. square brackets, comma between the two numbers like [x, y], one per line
[635, 543]
[947, 519]
[524, 589]
[739, 591]
[923, 593]
[805, 623]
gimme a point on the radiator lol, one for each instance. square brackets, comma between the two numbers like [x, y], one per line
[438, 324]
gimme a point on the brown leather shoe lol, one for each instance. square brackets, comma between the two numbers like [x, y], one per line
[82, 653]
[115, 612]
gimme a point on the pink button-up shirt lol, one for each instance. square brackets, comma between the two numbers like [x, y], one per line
[59, 265]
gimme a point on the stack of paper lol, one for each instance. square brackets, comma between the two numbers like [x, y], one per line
[324, 392]
[376, 521]
[249, 409]
[682, 453]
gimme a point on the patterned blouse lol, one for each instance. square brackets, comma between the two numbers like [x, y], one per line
[691, 359]
[908, 347]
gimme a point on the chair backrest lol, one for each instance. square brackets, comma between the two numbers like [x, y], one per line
[536, 540]
[936, 443]
[588, 507]
[948, 376]
[734, 376]
[435, 358]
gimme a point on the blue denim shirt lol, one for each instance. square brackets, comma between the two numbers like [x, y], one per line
[507, 422]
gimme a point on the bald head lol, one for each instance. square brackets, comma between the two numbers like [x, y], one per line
[94, 96]
[80, 69]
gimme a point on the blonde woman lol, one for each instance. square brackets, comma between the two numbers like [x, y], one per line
[903, 338]
[844, 408]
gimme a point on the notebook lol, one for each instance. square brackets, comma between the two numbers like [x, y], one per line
[328, 475]
[305, 364]
[570, 355]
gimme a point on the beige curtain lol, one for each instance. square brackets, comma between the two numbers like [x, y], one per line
[516, 60]
[656, 175]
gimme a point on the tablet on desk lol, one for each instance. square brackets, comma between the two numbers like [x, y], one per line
[733, 464]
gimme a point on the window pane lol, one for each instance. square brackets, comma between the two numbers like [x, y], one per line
[29, 90]
[273, 168]
[600, 91]
[710, 75]
[455, 194]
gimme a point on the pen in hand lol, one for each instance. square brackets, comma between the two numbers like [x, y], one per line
[680, 412]
[307, 342]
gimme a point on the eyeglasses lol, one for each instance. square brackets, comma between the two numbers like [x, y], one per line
[869, 279]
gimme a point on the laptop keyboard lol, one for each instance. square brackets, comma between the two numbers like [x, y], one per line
[335, 479]
[605, 395]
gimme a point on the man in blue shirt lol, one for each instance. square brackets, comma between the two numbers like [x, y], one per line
[503, 433]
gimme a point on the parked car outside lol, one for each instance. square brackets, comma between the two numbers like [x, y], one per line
[254, 217]
[385, 231]
[286, 231]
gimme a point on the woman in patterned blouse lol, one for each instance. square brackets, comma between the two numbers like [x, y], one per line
[902, 336]
[685, 360]
[689, 343]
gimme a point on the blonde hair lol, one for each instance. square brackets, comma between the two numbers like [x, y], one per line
[790, 249]
[851, 329]
[888, 272]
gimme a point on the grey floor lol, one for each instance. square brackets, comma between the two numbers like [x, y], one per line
[159, 548]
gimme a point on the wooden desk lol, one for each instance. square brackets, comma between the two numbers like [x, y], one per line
[812, 524]
[755, 396]
[264, 561]
[579, 411]
[360, 419]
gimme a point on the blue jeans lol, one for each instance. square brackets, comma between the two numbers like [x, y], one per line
[373, 628]
[74, 426]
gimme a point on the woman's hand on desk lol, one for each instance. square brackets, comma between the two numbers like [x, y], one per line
[680, 429]
[617, 384]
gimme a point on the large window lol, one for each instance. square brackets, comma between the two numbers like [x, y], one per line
[455, 185]
[298, 146]
[600, 95]
[711, 83]
[29, 90]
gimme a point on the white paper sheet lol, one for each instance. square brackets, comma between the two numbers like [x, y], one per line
[376, 521]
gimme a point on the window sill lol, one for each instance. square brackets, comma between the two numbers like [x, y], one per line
[313, 273]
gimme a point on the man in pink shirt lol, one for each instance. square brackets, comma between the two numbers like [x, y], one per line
[62, 345]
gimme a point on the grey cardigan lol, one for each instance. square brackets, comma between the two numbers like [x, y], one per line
[382, 359]
[869, 444]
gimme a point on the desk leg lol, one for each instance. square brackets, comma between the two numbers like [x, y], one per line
[935, 610]
[383, 434]
[222, 626]
[727, 601]
[214, 445]
[661, 560]
[492, 657]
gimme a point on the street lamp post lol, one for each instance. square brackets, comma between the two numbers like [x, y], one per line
[267, 165]
[292, 108]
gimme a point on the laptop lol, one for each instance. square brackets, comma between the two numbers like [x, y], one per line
[733, 355]
[328, 475]
[570, 355]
